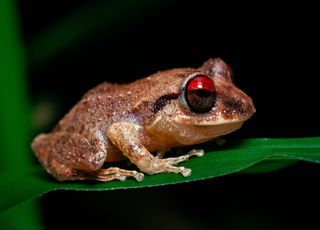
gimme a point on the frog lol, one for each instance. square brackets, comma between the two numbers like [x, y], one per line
[141, 121]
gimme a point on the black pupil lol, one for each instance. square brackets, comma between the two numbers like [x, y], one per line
[203, 93]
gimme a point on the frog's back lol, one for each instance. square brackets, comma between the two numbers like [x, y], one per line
[108, 103]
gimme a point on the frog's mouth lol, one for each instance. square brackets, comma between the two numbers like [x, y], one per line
[201, 133]
[209, 121]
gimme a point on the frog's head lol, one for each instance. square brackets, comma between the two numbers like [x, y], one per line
[207, 105]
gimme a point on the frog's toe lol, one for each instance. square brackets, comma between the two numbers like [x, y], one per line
[196, 152]
[179, 159]
[113, 173]
[121, 178]
[185, 171]
[138, 176]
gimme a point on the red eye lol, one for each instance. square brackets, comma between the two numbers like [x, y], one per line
[200, 94]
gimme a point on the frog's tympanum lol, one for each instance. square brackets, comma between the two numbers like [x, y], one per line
[134, 121]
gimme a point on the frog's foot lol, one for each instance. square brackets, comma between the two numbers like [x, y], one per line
[167, 165]
[160, 154]
[114, 173]
[177, 160]
[162, 166]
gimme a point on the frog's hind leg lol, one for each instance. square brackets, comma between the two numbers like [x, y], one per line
[63, 173]
[41, 147]
[114, 173]
[61, 153]
[70, 156]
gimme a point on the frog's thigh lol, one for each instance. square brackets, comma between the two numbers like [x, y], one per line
[75, 151]
[69, 156]
[125, 136]
[63, 173]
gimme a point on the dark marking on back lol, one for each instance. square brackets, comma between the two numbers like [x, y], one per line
[162, 101]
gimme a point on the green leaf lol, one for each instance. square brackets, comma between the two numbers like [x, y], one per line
[269, 165]
[230, 158]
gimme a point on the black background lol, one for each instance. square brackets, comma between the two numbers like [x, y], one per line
[274, 56]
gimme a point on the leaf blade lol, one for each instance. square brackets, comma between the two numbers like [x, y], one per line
[231, 158]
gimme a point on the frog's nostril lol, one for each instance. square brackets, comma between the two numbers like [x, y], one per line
[236, 107]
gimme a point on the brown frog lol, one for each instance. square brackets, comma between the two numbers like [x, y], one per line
[113, 122]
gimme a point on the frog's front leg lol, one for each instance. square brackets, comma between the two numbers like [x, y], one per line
[177, 160]
[125, 136]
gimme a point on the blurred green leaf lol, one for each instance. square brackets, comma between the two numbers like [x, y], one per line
[230, 158]
[15, 126]
[14, 104]
[84, 22]
[27, 216]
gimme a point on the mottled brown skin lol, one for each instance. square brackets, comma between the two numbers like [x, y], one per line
[113, 122]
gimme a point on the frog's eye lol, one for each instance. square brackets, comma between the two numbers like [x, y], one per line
[200, 94]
